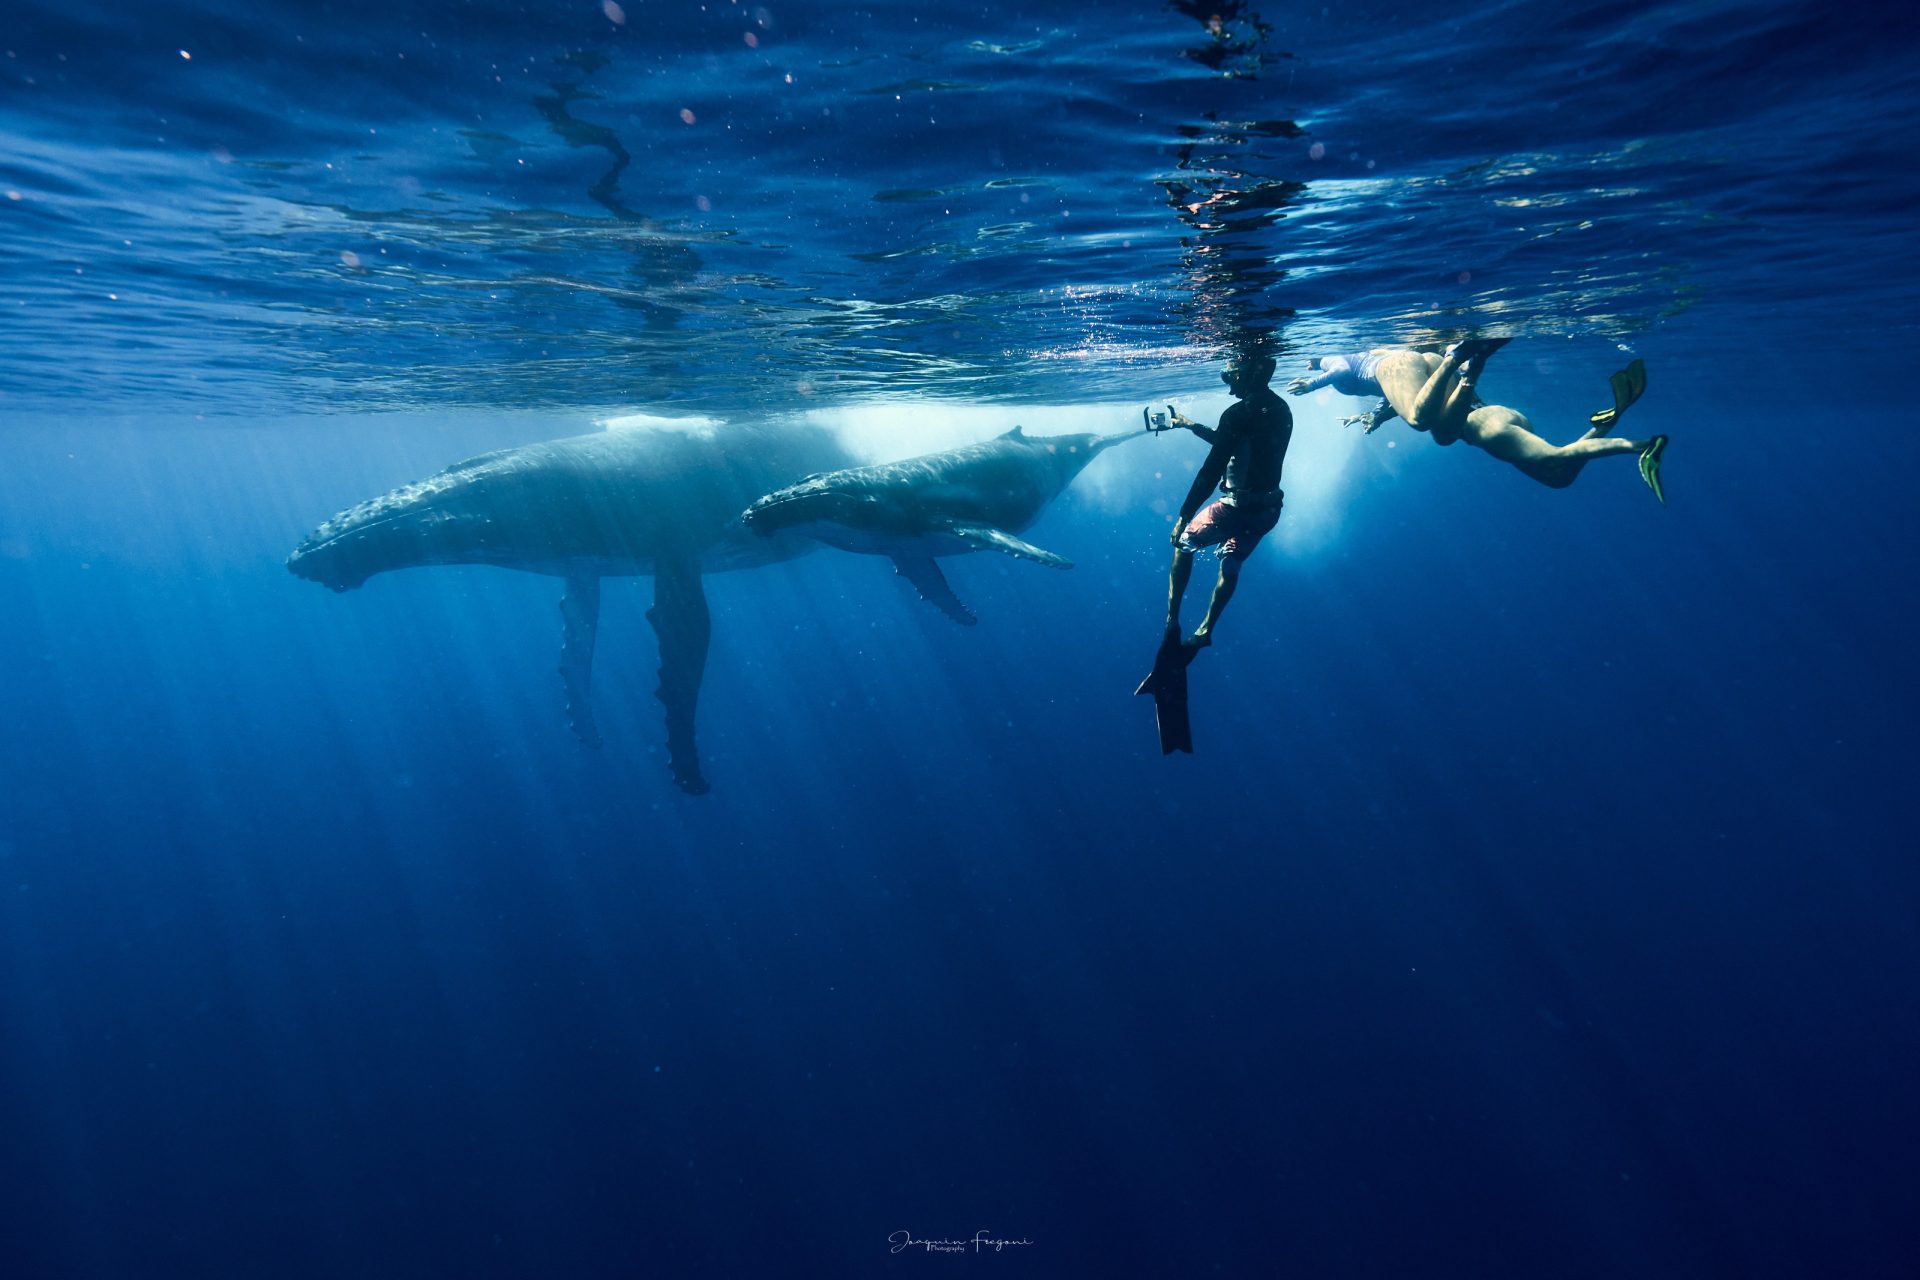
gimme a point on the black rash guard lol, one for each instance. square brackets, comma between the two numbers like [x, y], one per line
[1256, 431]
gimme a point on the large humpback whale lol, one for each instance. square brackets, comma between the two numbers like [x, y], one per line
[663, 501]
[973, 498]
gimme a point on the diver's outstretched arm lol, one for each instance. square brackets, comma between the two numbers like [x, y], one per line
[1179, 419]
[1380, 416]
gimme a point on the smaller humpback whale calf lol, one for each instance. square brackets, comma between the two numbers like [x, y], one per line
[974, 498]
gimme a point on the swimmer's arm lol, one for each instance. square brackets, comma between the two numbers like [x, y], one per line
[1303, 385]
[1179, 419]
[1382, 414]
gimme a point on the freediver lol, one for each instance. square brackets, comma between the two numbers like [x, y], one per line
[1435, 394]
[1249, 447]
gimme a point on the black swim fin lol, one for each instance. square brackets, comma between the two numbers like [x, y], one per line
[1167, 682]
[1478, 349]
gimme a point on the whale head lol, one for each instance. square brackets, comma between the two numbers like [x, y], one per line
[832, 499]
[422, 523]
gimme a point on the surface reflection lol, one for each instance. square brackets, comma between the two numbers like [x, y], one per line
[1230, 190]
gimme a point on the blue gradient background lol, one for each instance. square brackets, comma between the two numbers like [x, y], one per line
[1540, 901]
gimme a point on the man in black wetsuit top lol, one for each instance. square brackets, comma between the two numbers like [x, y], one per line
[1249, 446]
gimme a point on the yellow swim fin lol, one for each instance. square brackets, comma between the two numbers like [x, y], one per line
[1650, 466]
[1628, 386]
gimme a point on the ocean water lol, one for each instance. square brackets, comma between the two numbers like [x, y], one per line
[1540, 898]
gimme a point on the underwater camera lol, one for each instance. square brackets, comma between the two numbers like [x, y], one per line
[1158, 422]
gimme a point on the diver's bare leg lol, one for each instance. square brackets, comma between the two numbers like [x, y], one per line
[1222, 592]
[1177, 585]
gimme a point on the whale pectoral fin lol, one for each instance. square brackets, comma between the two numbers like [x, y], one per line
[927, 579]
[580, 620]
[990, 539]
[681, 621]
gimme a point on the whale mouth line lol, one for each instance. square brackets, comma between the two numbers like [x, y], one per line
[313, 547]
[785, 503]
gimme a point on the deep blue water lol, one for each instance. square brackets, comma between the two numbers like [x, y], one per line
[1540, 900]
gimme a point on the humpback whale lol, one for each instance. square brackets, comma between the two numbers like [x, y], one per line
[974, 498]
[663, 501]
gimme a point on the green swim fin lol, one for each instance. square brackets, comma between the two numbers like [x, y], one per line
[1650, 466]
[1628, 386]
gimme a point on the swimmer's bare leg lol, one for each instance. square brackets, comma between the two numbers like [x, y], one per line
[1562, 466]
[1506, 434]
[1222, 592]
[1460, 402]
[1438, 400]
[1409, 379]
[1177, 585]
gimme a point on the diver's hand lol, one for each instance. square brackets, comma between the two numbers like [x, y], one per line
[1179, 419]
[1361, 420]
[1179, 527]
[1299, 386]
